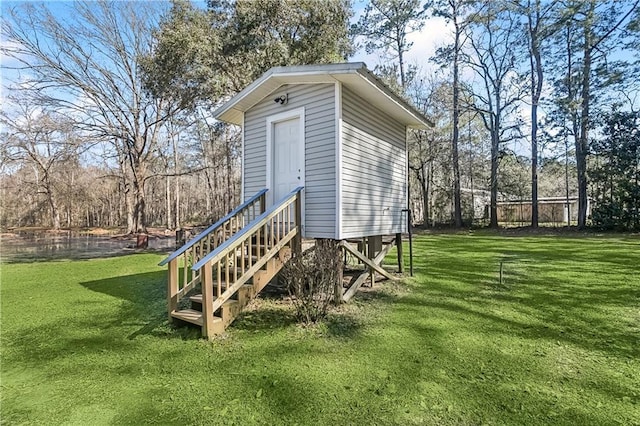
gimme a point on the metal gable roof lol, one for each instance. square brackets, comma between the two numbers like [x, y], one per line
[354, 75]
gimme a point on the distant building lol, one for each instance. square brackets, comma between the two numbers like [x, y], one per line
[554, 210]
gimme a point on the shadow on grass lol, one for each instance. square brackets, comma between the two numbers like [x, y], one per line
[82, 323]
[556, 289]
[343, 326]
[261, 319]
[145, 295]
[139, 289]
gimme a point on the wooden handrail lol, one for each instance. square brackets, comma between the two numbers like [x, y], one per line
[213, 227]
[260, 221]
[227, 268]
[181, 277]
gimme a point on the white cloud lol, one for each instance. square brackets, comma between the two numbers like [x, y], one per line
[434, 34]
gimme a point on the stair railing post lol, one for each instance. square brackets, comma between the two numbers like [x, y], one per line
[207, 301]
[263, 203]
[172, 287]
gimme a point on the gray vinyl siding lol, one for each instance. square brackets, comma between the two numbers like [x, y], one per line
[320, 176]
[373, 170]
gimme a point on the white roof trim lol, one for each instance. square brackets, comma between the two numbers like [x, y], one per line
[354, 75]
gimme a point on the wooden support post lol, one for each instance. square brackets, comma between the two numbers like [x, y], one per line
[374, 244]
[172, 287]
[365, 246]
[370, 252]
[207, 301]
[362, 248]
[337, 290]
[399, 250]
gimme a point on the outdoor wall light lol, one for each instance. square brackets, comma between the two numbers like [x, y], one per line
[282, 99]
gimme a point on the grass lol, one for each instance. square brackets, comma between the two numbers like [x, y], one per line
[556, 342]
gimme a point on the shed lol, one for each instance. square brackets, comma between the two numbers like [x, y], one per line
[554, 210]
[336, 130]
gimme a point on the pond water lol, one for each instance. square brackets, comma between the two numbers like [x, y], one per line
[34, 246]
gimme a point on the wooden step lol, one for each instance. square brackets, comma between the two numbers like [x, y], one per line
[192, 316]
[232, 307]
[229, 309]
[197, 298]
[248, 286]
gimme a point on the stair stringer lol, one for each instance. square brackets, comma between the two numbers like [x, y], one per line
[230, 310]
[272, 236]
[259, 281]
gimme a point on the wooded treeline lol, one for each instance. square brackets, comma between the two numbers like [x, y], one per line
[106, 119]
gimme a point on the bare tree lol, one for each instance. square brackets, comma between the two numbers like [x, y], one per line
[453, 11]
[493, 59]
[85, 65]
[429, 150]
[538, 29]
[41, 140]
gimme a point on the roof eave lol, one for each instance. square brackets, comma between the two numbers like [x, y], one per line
[230, 112]
[421, 122]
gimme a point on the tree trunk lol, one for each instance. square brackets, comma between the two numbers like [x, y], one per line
[582, 146]
[575, 128]
[168, 201]
[55, 212]
[426, 211]
[140, 208]
[536, 89]
[70, 204]
[128, 193]
[493, 209]
[176, 182]
[138, 181]
[471, 184]
[457, 208]
[534, 166]
[130, 205]
[401, 65]
[566, 178]
[495, 159]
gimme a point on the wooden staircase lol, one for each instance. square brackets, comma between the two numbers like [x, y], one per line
[232, 307]
[236, 269]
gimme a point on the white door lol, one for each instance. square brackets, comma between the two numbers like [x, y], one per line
[287, 165]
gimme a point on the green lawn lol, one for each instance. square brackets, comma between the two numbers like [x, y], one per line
[557, 342]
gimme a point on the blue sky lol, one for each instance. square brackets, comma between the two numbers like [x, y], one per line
[425, 42]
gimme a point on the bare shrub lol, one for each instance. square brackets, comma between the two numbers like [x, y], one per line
[311, 278]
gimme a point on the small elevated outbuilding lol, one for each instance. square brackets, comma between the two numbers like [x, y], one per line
[339, 132]
[324, 155]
